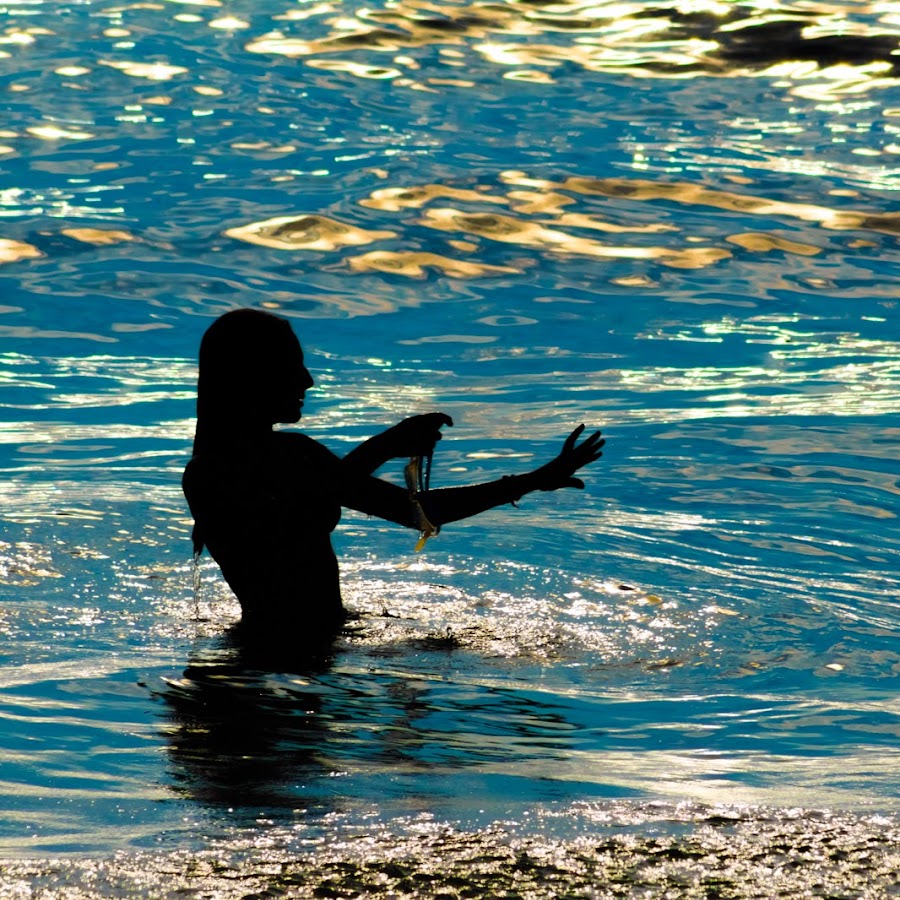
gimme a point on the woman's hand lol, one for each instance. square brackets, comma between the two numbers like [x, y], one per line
[415, 436]
[559, 472]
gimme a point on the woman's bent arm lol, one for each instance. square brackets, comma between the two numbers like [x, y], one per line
[415, 436]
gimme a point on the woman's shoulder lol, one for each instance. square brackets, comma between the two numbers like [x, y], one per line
[294, 444]
[288, 458]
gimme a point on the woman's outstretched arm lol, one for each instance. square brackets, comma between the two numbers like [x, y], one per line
[453, 504]
[389, 501]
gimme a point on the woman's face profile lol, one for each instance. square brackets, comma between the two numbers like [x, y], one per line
[290, 382]
[252, 369]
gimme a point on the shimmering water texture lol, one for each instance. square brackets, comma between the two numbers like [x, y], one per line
[627, 853]
[677, 222]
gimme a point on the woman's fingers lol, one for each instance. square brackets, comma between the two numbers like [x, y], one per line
[419, 434]
[437, 419]
[590, 450]
[569, 444]
[589, 447]
[560, 472]
[593, 446]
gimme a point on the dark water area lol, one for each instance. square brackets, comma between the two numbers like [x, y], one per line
[676, 222]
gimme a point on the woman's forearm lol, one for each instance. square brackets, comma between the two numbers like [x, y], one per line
[390, 501]
[451, 504]
[455, 503]
[375, 497]
[370, 455]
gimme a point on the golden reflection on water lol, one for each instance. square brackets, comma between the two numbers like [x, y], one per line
[529, 42]
[98, 237]
[12, 251]
[415, 265]
[360, 70]
[58, 133]
[530, 234]
[548, 220]
[762, 243]
[309, 232]
[394, 199]
[692, 194]
[821, 51]
[156, 71]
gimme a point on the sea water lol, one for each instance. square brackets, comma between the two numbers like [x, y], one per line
[655, 219]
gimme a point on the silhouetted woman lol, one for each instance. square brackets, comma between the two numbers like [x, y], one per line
[265, 502]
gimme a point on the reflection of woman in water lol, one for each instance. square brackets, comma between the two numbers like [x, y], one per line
[265, 502]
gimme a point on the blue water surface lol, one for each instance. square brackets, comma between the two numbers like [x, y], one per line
[528, 215]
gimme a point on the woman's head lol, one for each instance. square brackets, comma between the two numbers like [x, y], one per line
[251, 370]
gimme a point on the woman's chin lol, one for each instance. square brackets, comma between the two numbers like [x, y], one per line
[287, 417]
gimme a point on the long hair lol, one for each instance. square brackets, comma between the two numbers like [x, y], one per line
[241, 356]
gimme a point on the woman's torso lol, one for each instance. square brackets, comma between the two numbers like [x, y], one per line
[266, 512]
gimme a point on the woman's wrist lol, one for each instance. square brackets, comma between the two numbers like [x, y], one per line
[517, 486]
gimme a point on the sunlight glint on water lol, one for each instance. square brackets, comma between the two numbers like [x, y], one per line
[677, 223]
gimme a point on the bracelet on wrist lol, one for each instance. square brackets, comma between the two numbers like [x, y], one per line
[516, 495]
